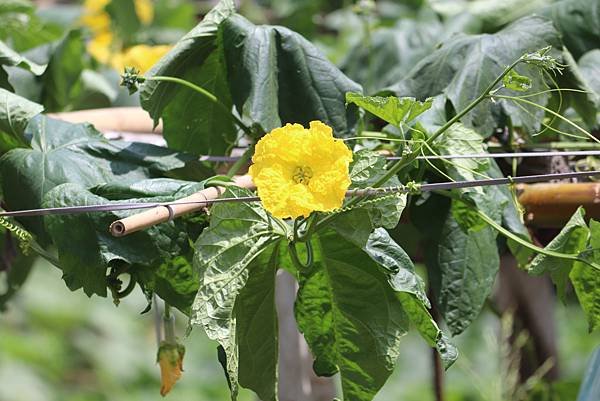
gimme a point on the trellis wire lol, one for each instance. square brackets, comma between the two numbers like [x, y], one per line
[503, 155]
[413, 187]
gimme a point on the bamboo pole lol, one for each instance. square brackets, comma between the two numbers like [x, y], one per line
[120, 119]
[552, 204]
[161, 214]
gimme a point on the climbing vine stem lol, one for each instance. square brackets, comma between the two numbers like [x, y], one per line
[516, 238]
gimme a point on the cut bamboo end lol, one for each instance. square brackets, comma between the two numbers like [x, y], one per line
[552, 204]
[161, 214]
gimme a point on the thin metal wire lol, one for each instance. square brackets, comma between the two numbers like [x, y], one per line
[230, 159]
[354, 192]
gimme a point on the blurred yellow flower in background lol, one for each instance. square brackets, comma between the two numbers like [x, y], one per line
[297, 170]
[105, 48]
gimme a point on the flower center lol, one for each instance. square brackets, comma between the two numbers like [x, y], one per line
[302, 175]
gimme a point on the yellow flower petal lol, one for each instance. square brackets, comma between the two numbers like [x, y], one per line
[297, 170]
[100, 47]
[142, 57]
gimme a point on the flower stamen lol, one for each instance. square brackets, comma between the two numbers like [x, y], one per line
[302, 175]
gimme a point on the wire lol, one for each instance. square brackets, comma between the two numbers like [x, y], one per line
[361, 192]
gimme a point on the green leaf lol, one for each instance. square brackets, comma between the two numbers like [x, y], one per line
[350, 316]
[428, 328]
[277, 76]
[238, 234]
[124, 20]
[190, 52]
[586, 280]
[175, 281]
[571, 240]
[458, 140]
[61, 78]
[256, 326]
[578, 22]
[86, 248]
[10, 57]
[15, 113]
[589, 65]
[516, 82]
[467, 263]
[391, 109]
[466, 64]
[76, 153]
[206, 128]
[392, 51]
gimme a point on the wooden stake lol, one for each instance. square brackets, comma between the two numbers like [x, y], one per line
[120, 119]
[160, 214]
[552, 204]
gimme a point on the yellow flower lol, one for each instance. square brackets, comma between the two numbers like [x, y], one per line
[100, 47]
[144, 10]
[142, 57]
[297, 171]
[170, 360]
[95, 6]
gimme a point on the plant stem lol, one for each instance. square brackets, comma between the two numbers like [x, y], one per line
[547, 110]
[516, 238]
[413, 155]
[169, 325]
[207, 95]
[239, 163]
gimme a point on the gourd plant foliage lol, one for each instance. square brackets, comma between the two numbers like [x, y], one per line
[358, 291]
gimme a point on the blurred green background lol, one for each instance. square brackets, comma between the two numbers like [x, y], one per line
[61, 345]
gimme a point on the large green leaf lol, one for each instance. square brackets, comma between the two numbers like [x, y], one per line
[571, 240]
[276, 76]
[124, 20]
[86, 248]
[76, 153]
[466, 64]
[205, 128]
[15, 113]
[350, 316]
[392, 51]
[61, 78]
[578, 22]
[460, 140]
[402, 277]
[586, 280]
[238, 234]
[191, 121]
[468, 262]
[256, 327]
[191, 51]
[391, 109]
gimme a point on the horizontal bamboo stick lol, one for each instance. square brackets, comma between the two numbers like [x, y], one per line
[552, 204]
[161, 214]
[120, 119]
